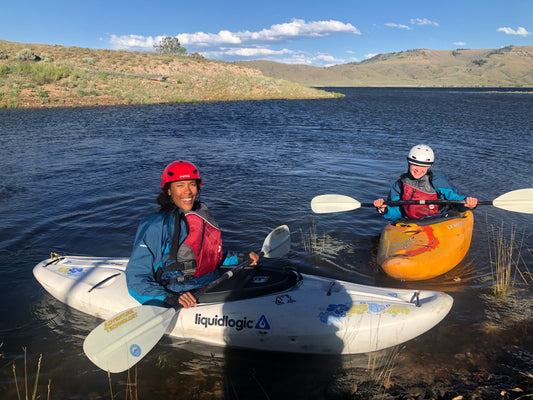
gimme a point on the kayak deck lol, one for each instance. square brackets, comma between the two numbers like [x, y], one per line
[414, 250]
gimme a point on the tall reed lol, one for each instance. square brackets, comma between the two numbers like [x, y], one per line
[312, 242]
[381, 376]
[25, 391]
[504, 256]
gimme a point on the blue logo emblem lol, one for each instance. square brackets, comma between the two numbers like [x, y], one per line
[262, 323]
[135, 350]
[75, 271]
[334, 312]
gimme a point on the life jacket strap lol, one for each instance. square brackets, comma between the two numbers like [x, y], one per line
[187, 268]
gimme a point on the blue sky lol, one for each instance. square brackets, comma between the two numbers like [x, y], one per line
[318, 33]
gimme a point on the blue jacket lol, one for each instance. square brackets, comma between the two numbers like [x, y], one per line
[151, 251]
[445, 190]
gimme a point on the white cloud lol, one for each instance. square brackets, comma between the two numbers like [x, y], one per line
[209, 39]
[459, 43]
[509, 31]
[295, 30]
[370, 55]
[256, 52]
[413, 21]
[133, 42]
[423, 21]
[317, 60]
[400, 26]
[246, 44]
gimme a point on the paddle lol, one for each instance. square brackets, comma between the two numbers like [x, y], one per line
[517, 200]
[121, 341]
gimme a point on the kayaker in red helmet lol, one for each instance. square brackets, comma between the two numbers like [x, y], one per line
[179, 248]
[419, 183]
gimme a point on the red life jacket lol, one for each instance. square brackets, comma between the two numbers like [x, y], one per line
[205, 241]
[200, 253]
[417, 211]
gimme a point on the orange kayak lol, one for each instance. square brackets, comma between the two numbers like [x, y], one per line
[413, 250]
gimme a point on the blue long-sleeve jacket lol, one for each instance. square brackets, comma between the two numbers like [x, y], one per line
[445, 190]
[151, 251]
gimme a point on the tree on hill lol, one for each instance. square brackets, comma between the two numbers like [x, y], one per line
[169, 45]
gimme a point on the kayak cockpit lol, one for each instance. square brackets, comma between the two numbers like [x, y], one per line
[252, 282]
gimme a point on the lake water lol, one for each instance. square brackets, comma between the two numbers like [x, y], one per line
[78, 181]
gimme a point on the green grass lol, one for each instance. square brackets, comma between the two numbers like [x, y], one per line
[40, 73]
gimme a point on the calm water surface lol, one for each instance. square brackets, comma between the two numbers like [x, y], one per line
[78, 181]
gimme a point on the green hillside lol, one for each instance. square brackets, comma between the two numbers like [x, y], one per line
[38, 75]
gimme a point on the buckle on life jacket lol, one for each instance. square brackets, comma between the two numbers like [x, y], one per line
[184, 278]
[187, 268]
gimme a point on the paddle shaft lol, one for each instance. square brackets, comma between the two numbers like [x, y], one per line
[421, 202]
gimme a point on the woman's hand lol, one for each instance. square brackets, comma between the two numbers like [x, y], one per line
[187, 300]
[471, 202]
[382, 208]
[254, 257]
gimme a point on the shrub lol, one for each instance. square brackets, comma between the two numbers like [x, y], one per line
[46, 57]
[197, 56]
[26, 55]
[4, 70]
[3, 56]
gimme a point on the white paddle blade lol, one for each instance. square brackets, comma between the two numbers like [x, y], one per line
[330, 203]
[277, 243]
[520, 200]
[121, 341]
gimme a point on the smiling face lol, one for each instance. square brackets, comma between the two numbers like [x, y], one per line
[183, 193]
[417, 171]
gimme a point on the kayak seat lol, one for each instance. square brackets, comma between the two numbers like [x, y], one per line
[251, 282]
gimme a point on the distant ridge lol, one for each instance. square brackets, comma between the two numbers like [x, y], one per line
[510, 66]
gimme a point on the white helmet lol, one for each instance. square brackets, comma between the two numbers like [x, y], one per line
[421, 155]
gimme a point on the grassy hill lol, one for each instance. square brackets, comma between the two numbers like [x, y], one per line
[506, 67]
[37, 75]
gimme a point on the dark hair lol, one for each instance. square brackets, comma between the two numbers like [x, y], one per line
[165, 202]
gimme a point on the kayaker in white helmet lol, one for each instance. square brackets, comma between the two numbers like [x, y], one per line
[419, 183]
[179, 248]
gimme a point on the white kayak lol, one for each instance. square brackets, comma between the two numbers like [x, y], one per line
[261, 308]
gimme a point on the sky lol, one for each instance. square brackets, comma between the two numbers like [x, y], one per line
[316, 33]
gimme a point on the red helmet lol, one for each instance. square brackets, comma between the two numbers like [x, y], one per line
[179, 171]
